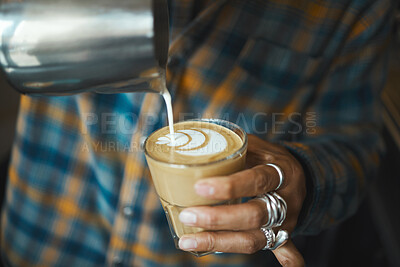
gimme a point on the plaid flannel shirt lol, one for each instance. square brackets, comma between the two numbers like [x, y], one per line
[305, 74]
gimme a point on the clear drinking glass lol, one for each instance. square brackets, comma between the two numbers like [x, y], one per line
[174, 183]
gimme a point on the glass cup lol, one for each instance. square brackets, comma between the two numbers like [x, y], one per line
[174, 183]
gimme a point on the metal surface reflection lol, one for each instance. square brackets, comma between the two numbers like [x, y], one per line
[52, 48]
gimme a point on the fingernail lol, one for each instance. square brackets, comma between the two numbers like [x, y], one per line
[187, 243]
[204, 189]
[187, 217]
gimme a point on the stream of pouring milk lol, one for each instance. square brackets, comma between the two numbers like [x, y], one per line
[168, 102]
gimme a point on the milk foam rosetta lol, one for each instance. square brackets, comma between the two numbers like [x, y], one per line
[193, 142]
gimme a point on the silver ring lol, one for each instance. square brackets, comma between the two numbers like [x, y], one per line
[275, 212]
[280, 172]
[271, 218]
[276, 209]
[269, 211]
[270, 236]
[274, 241]
[283, 208]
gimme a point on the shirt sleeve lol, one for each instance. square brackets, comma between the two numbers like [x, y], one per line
[340, 153]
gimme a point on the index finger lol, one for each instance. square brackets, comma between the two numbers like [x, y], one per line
[247, 183]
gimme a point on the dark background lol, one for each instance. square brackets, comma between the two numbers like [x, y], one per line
[370, 238]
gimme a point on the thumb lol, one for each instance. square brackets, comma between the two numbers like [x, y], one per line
[289, 256]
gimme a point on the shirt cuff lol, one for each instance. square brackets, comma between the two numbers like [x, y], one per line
[298, 150]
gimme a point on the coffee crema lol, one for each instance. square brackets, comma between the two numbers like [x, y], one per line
[193, 142]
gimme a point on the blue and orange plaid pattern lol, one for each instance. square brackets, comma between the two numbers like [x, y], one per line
[306, 74]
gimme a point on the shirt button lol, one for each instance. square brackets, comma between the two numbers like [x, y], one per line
[127, 211]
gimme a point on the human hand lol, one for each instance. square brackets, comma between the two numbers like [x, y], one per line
[236, 228]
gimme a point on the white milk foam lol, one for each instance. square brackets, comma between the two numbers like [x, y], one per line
[192, 142]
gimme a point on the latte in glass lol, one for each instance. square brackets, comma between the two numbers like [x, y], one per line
[198, 149]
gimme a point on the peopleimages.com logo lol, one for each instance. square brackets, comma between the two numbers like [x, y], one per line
[108, 124]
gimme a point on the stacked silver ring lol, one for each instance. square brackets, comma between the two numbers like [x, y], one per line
[276, 209]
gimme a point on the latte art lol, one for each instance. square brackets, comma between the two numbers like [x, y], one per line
[195, 142]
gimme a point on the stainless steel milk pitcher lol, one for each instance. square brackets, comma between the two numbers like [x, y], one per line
[66, 47]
